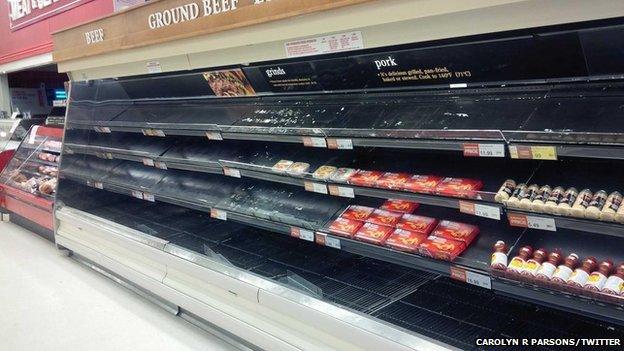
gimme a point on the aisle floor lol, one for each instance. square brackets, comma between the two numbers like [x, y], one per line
[51, 302]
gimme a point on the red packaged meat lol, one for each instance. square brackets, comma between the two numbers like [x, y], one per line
[422, 184]
[365, 178]
[459, 187]
[405, 240]
[456, 231]
[358, 213]
[441, 248]
[345, 227]
[373, 233]
[383, 217]
[392, 180]
[402, 206]
[419, 224]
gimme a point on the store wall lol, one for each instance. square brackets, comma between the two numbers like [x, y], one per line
[36, 39]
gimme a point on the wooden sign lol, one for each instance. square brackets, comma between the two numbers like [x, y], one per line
[167, 20]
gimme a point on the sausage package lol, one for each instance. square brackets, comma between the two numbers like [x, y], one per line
[459, 187]
[358, 213]
[441, 248]
[365, 178]
[463, 232]
[405, 240]
[383, 217]
[422, 184]
[345, 227]
[373, 233]
[418, 224]
[391, 180]
[402, 206]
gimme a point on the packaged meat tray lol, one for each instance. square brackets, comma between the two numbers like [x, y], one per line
[358, 213]
[422, 184]
[463, 232]
[392, 180]
[324, 172]
[383, 217]
[441, 248]
[342, 175]
[365, 178]
[418, 224]
[405, 240]
[459, 187]
[373, 233]
[298, 169]
[402, 206]
[281, 166]
[345, 227]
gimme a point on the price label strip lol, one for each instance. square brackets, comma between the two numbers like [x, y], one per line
[326, 240]
[231, 172]
[218, 214]
[341, 191]
[315, 187]
[533, 222]
[486, 211]
[533, 152]
[314, 142]
[484, 150]
[302, 234]
[471, 277]
[340, 144]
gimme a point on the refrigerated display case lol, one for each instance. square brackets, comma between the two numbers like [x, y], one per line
[29, 180]
[240, 208]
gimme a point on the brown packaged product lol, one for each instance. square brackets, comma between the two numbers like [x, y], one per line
[514, 199]
[499, 256]
[564, 271]
[550, 205]
[582, 201]
[540, 198]
[533, 264]
[598, 278]
[527, 198]
[505, 191]
[581, 274]
[619, 216]
[547, 269]
[611, 206]
[615, 284]
[566, 202]
[517, 263]
[596, 204]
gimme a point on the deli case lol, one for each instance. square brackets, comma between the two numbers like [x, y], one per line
[337, 203]
[28, 182]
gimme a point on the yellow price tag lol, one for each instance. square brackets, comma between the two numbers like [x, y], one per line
[544, 152]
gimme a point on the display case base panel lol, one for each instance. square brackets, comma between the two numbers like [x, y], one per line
[452, 312]
[32, 226]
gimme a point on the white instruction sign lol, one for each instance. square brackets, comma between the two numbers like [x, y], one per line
[153, 67]
[325, 45]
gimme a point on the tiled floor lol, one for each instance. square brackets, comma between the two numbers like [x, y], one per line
[51, 302]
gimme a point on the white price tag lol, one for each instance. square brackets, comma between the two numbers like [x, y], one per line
[98, 185]
[314, 142]
[341, 191]
[158, 132]
[302, 234]
[477, 279]
[231, 172]
[218, 214]
[491, 150]
[486, 211]
[160, 164]
[153, 67]
[541, 223]
[214, 136]
[315, 187]
[149, 197]
[137, 194]
[148, 162]
[340, 144]
[332, 242]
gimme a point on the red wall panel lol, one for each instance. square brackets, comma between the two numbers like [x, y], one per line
[36, 38]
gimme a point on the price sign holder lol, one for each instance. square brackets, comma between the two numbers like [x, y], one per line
[214, 136]
[302, 234]
[231, 172]
[484, 150]
[160, 164]
[137, 194]
[314, 142]
[533, 152]
[485, 211]
[340, 144]
[218, 214]
[149, 197]
[148, 162]
[532, 222]
[326, 240]
[470, 277]
[315, 187]
[341, 191]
